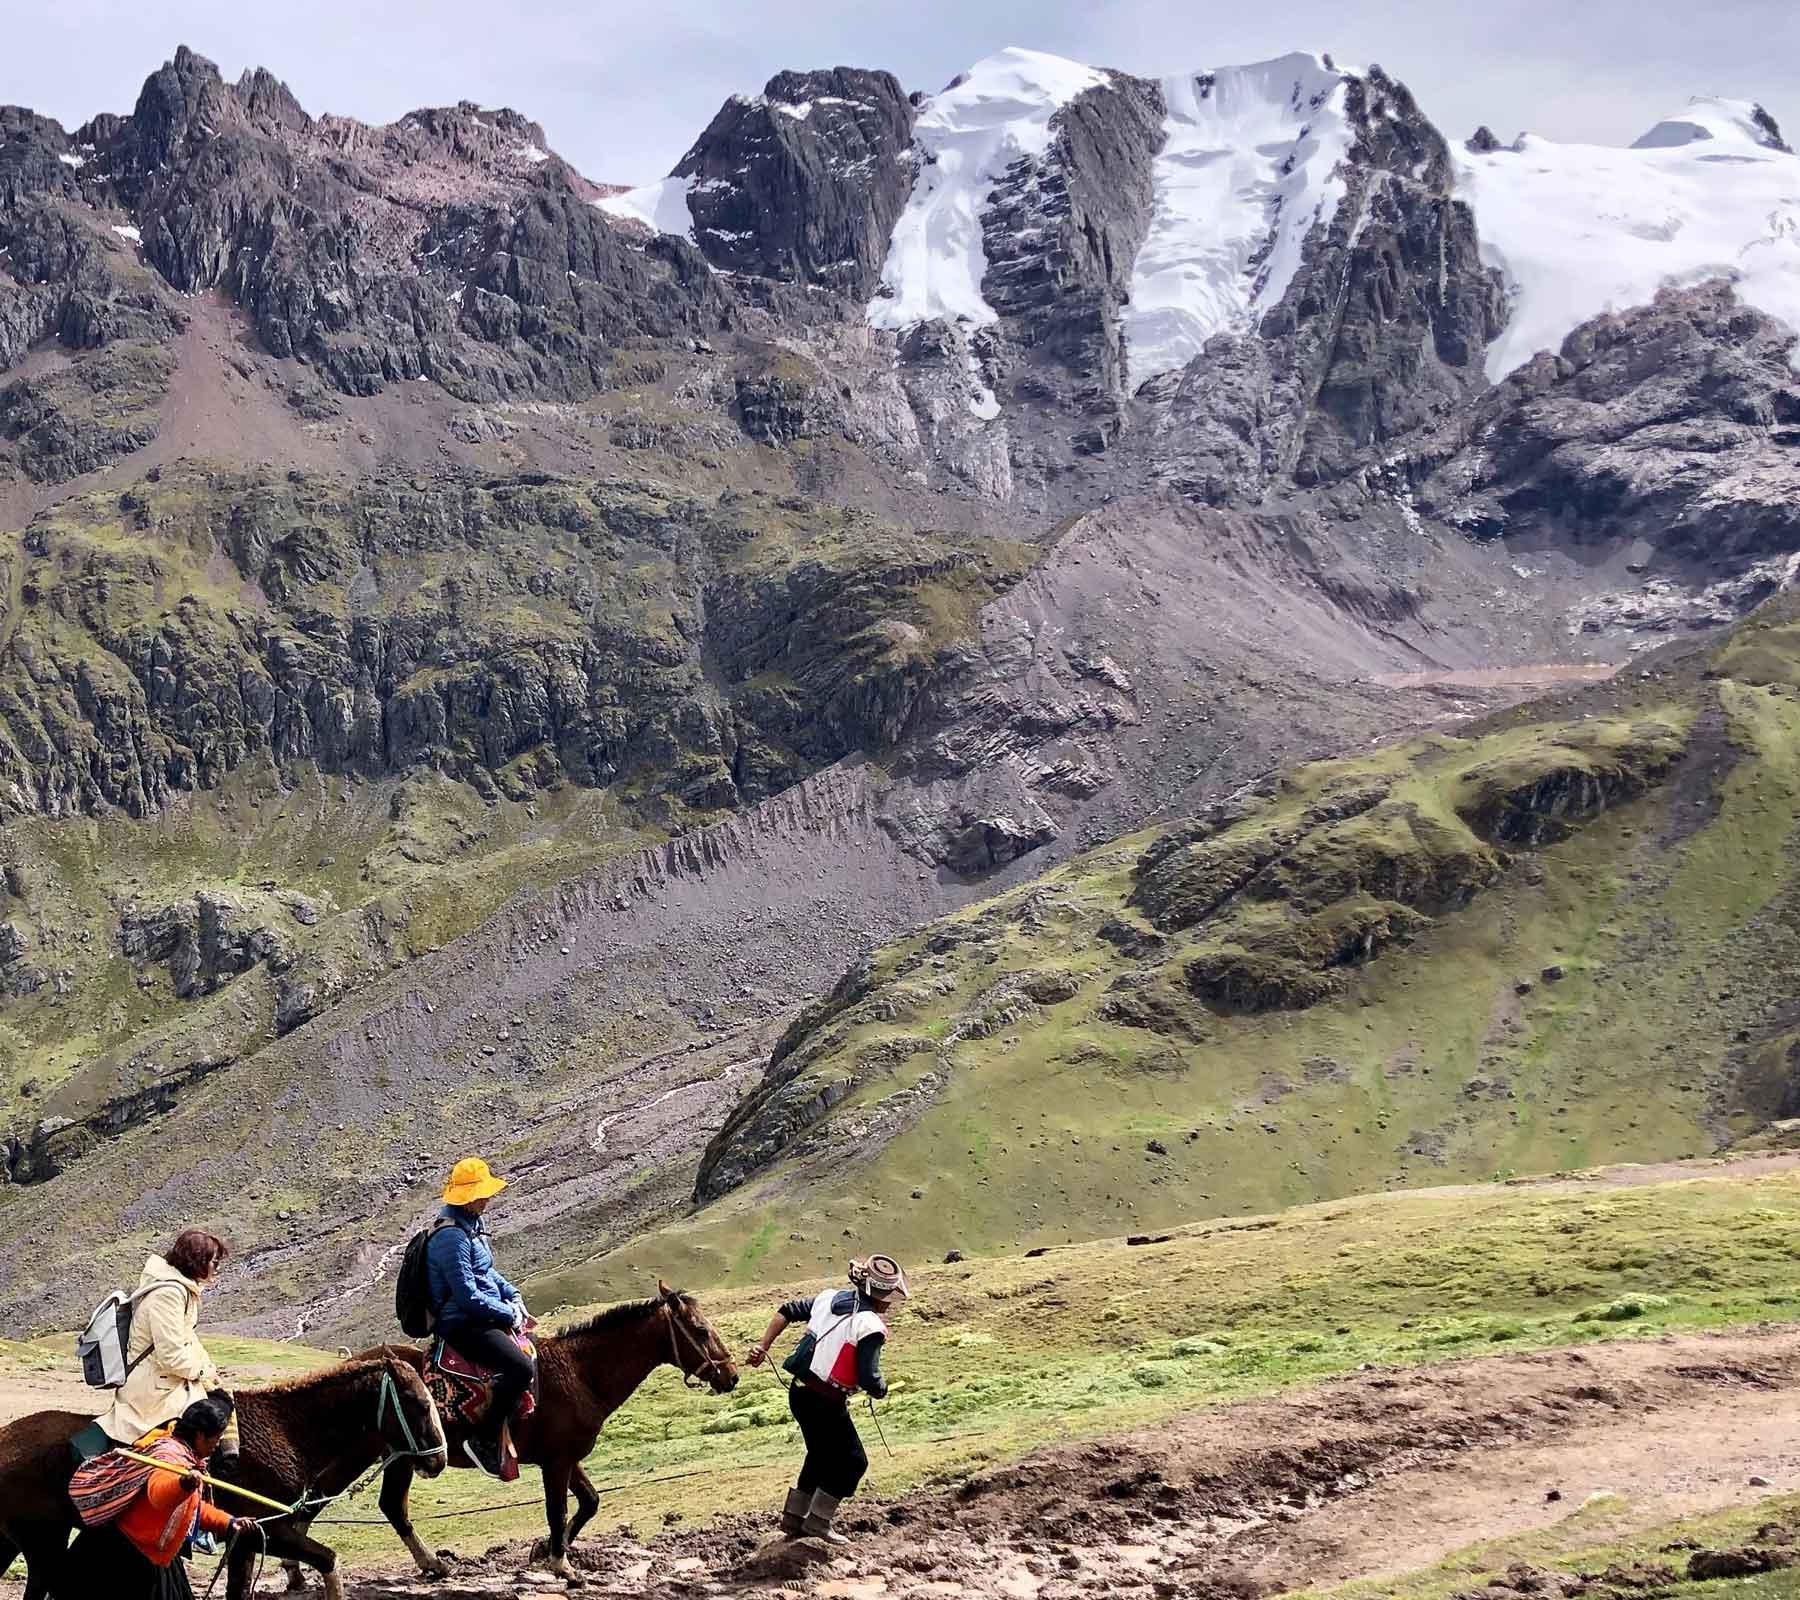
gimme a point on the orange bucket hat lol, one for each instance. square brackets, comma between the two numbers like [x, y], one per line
[471, 1180]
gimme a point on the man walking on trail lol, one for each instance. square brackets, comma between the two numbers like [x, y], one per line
[474, 1310]
[838, 1356]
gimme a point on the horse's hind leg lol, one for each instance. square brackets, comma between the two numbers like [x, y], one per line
[587, 1501]
[556, 1511]
[296, 1576]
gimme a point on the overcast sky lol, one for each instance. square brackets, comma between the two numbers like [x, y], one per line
[622, 88]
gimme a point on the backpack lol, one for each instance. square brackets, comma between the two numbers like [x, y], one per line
[101, 1345]
[412, 1283]
[800, 1358]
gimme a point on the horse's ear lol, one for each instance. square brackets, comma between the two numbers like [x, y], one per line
[663, 1291]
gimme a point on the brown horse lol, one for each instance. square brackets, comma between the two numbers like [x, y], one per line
[585, 1374]
[306, 1440]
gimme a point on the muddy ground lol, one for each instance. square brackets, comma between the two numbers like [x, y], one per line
[1375, 1474]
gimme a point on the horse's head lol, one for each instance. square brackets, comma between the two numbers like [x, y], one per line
[407, 1418]
[695, 1348]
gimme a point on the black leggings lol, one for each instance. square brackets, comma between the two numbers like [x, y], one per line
[513, 1370]
[835, 1458]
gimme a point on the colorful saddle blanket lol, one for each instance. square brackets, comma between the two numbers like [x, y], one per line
[461, 1387]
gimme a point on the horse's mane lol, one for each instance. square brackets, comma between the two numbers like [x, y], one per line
[615, 1316]
[366, 1360]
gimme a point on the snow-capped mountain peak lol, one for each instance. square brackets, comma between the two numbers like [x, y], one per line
[1577, 230]
[1724, 122]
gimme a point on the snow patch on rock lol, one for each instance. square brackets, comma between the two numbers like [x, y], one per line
[995, 114]
[1248, 168]
[662, 206]
[1578, 230]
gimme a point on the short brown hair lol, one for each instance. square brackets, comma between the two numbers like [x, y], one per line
[196, 1253]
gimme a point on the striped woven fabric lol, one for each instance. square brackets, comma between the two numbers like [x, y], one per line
[104, 1487]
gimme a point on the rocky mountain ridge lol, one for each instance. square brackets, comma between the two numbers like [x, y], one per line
[807, 523]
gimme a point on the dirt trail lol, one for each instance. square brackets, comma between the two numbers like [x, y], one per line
[1376, 1473]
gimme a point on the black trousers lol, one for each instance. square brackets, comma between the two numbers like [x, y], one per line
[514, 1370]
[835, 1458]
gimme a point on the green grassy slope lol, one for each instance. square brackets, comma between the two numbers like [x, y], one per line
[1326, 987]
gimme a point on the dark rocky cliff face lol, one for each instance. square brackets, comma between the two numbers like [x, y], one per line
[514, 634]
[1060, 237]
[1677, 424]
[803, 182]
[450, 246]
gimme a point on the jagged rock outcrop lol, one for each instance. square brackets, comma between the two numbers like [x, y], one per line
[1061, 235]
[451, 245]
[215, 936]
[1677, 424]
[803, 182]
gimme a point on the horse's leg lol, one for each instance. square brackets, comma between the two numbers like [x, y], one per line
[291, 1547]
[296, 1576]
[556, 1510]
[587, 1501]
[396, 1489]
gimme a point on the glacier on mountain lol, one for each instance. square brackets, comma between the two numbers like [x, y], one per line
[1578, 230]
[995, 114]
[1248, 168]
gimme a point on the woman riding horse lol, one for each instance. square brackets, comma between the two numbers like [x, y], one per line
[167, 1367]
[585, 1373]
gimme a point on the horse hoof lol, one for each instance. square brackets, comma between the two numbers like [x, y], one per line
[560, 1568]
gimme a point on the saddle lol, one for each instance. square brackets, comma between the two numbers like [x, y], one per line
[462, 1389]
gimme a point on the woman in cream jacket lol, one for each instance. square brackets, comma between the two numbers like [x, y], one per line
[169, 1367]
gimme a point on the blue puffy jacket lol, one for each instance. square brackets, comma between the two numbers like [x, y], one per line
[466, 1291]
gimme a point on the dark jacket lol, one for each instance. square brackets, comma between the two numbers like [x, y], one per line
[466, 1291]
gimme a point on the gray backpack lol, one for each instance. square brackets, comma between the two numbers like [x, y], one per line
[102, 1344]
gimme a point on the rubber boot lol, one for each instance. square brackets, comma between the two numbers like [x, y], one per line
[818, 1519]
[793, 1514]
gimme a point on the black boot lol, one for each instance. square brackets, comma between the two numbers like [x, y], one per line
[818, 1519]
[793, 1514]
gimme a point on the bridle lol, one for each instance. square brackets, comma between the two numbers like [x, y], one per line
[679, 1333]
[390, 1396]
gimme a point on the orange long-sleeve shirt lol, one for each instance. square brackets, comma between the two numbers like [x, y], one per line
[157, 1522]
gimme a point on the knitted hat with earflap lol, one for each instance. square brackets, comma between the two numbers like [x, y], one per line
[880, 1278]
